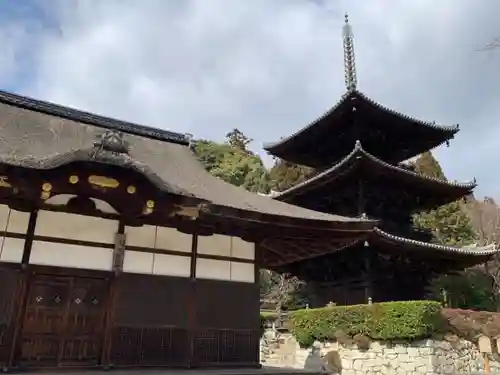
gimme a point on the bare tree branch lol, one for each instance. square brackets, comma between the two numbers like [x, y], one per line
[282, 290]
[485, 219]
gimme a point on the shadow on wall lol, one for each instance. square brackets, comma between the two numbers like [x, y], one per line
[330, 363]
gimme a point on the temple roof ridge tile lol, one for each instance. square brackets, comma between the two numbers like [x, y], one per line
[89, 118]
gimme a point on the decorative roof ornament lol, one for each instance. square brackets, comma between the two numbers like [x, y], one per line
[112, 141]
[349, 61]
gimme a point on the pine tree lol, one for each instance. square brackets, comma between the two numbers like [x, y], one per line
[284, 175]
[236, 139]
[427, 165]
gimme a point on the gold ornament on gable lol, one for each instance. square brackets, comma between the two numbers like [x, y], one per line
[46, 190]
[4, 182]
[149, 207]
[73, 179]
[104, 182]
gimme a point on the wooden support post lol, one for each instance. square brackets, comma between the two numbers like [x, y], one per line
[23, 287]
[118, 256]
[368, 256]
[192, 302]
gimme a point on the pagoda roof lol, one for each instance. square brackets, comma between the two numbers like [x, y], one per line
[414, 245]
[391, 135]
[438, 191]
[41, 135]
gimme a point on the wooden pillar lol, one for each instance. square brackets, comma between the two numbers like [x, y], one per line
[257, 261]
[109, 319]
[23, 288]
[369, 273]
[361, 198]
[192, 326]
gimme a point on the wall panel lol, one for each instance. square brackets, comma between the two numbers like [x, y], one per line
[12, 250]
[71, 256]
[138, 262]
[242, 272]
[172, 239]
[160, 238]
[4, 216]
[76, 227]
[213, 269]
[171, 265]
[214, 245]
[242, 249]
[144, 236]
[18, 222]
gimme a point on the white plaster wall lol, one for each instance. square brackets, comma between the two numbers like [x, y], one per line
[76, 227]
[71, 256]
[156, 264]
[215, 244]
[226, 246]
[171, 265]
[213, 269]
[149, 236]
[242, 249]
[225, 270]
[11, 249]
[243, 272]
[161, 238]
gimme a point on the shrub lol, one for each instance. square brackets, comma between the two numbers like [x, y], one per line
[379, 321]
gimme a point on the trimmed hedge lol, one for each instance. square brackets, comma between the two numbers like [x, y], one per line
[380, 321]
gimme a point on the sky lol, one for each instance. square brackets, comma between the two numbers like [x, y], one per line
[267, 67]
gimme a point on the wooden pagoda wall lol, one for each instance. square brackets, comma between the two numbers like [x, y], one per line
[176, 300]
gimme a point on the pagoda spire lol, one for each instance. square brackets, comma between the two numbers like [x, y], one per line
[349, 61]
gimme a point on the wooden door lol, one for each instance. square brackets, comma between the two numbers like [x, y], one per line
[63, 322]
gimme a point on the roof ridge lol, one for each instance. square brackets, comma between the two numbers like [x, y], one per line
[430, 124]
[358, 148]
[469, 250]
[88, 118]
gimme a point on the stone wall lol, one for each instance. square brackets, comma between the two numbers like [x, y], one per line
[419, 357]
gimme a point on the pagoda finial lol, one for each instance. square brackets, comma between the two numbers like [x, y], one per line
[349, 61]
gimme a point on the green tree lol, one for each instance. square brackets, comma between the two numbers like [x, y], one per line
[233, 165]
[236, 139]
[427, 165]
[284, 175]
[469, 289]
[449, 224]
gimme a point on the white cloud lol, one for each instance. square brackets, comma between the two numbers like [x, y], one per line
[266, 67]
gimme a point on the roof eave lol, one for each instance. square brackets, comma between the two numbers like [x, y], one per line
[353, 158]
[278, 146]
[345, 225]
[484, 251]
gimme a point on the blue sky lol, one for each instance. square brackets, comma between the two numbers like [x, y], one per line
[267, 67]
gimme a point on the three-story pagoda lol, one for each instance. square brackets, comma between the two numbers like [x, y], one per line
[359, 147]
